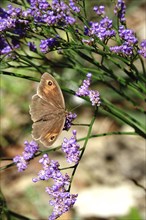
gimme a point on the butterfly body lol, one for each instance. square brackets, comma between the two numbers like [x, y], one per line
[47, 111]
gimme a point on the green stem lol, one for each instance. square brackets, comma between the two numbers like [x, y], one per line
[18, 216]
[7, 166]
[20, 76]
[109, 134]
[84, 146]
[84, 8]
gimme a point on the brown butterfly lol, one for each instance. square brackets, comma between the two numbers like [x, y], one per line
[47, 111]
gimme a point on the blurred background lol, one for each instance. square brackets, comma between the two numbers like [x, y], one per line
[105, 179]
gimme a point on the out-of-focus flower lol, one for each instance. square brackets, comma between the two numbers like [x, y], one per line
[142, 51]
[21, 163]
[73, 6]
[32, 46]
[100, 10]
[48, 44]
[120, 10]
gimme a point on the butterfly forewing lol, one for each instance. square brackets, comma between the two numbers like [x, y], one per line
[50, 91]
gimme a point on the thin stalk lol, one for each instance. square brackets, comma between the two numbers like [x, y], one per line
[20, 76]
[84, 147]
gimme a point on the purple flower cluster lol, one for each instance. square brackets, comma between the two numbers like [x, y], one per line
[129, 40]
[10, 20]
[71, 148]
[48, 44]
[61, 202]
[127, 35]
[61, 199]
[68, 121]
[142, 51]
[84, 90]
[4, 46]
[73, 6]
[29, 152]
[94, 97]
[100, 10]
[57, 13]
[6, 23]
[120, 10]
[19, 21]
[103, 29]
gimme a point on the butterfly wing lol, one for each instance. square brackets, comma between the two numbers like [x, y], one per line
[47, 111]
[50, 91]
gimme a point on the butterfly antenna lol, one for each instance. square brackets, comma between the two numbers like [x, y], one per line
[75, 107]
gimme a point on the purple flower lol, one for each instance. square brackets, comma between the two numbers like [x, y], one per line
[100, 10]
[59, 13]
[50, 169]
[21, 163]
[3, 13]
[12, 11]
[127, 35]
[4, 46]
[68, 121]
[61, 199]
[61, 202]
[43, 5]
[103, 29]
[129, 40]
[124, 49]
[29, 152]
[94, 97]
[44, 46]
[71, 148]
[120, 10]
[142, 51]
[48, 44]
[32, 46]
[84, 90]
[13, 20]
[69, 20]
[30, 149]
[6, 23]
[73, 6]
